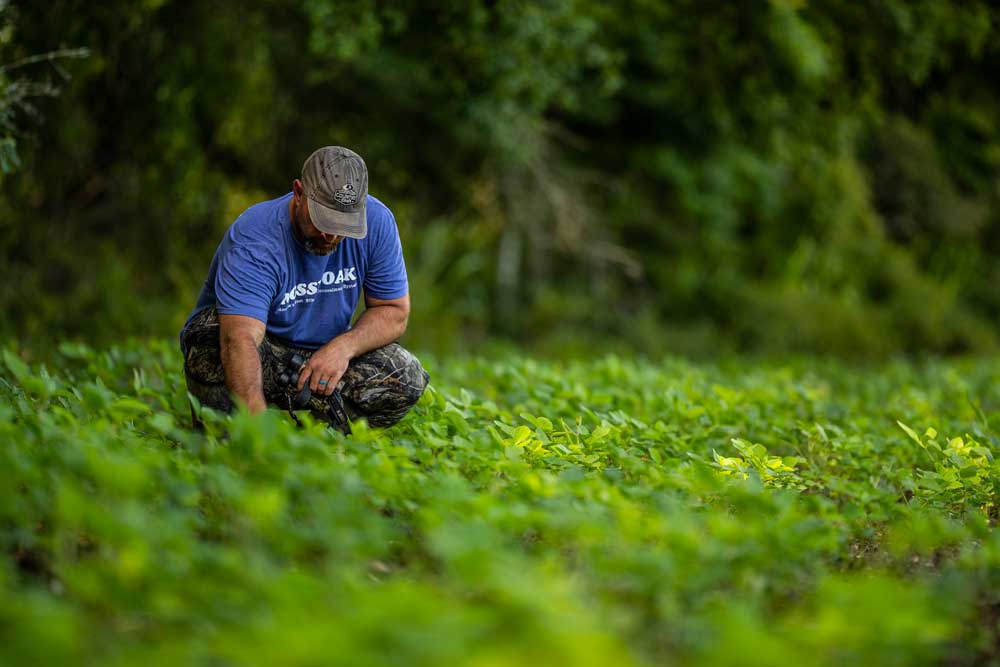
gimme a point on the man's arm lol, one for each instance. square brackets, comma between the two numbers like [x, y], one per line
[382, 322]
[239, 338]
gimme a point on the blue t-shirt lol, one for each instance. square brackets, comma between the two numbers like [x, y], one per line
[262, 271]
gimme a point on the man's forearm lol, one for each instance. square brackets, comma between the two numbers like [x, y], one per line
[241, 362]
[377, 326]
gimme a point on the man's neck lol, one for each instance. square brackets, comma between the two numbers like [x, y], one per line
[291, 221]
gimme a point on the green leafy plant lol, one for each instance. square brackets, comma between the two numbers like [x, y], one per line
[586, 513]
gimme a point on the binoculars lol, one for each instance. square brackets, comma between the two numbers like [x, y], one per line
[290, 377]
[335, 412]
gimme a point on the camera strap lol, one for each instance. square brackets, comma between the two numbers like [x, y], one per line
[291, 410]
[338, 413]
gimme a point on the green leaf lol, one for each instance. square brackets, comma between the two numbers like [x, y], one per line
[521, 434]
[127, 408]
[910, 432]
[163, 422]
[968, 471]
[599, 434]
[35, 385]
[74, 350]
[17, 367]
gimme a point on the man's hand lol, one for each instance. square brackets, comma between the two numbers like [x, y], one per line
[325, 367]
[383, 321]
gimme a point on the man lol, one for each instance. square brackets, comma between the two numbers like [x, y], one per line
[286, 280]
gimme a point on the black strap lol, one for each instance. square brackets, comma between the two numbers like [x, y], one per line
[291, 412]
[338, 413]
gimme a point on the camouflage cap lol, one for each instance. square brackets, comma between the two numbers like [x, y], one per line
[336, 187]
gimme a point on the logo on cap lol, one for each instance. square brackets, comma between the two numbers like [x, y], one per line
[346, 196]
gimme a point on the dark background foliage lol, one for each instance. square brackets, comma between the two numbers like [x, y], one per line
[691, 176]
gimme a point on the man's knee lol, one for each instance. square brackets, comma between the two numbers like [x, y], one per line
[203, 371]
[382, 385]
[206, 379]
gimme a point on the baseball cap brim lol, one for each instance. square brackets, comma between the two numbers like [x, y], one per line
[331, 221]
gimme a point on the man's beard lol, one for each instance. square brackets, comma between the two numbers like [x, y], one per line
[313, 246]
[320, 249]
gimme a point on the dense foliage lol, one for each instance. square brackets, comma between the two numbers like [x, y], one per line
[610, 512]
[686, 175]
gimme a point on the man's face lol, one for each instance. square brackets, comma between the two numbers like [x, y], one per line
[315, 241]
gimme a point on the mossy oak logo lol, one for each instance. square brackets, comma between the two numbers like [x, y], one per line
[347, 195]
[330, 282]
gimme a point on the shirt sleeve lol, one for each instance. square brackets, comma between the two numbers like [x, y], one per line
[245, 284]
[386, 274]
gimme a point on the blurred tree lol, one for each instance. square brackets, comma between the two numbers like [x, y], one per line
[19, 91]
[766, 175]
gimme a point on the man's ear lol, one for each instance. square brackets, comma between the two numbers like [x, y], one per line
[297, 187]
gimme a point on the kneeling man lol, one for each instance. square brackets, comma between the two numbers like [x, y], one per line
[274, 316]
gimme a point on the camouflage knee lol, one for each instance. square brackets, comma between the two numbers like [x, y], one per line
[203, 370]
[215, 396]
[382, 385]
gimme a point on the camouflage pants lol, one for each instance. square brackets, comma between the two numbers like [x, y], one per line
[381, 385]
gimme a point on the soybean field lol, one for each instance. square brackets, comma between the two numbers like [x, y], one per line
[613, 511]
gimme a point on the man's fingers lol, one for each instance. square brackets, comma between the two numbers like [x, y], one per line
[303, 376]
[314, 382]
[315, 374]
[318, 377]
[331, 383]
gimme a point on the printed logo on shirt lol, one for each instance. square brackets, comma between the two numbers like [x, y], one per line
[330, 282]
